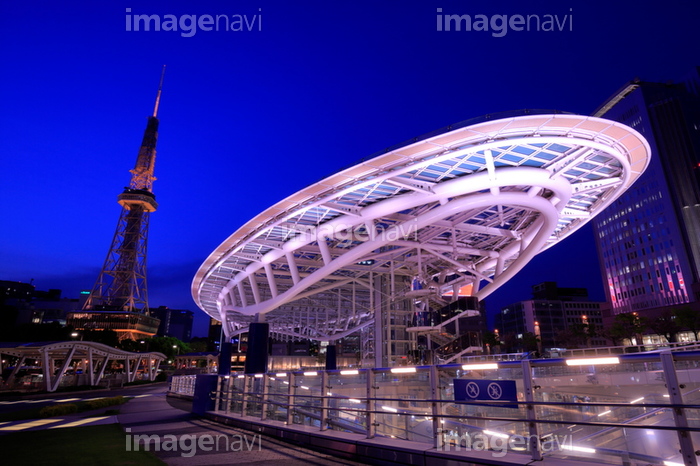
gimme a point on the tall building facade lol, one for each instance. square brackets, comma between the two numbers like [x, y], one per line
[174, 322]
[558, 317]
[649, 239]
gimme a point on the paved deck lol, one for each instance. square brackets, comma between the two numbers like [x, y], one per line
[161, 416]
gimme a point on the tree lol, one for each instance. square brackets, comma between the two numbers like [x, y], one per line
[689, 319]
[665, 325]
[625, 327]
[530, 342]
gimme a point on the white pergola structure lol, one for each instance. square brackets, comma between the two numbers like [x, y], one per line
[468, 206]
[56, 358]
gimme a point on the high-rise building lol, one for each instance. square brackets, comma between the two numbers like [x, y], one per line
[649, 238]
[558, 317]
[119, 299]
[174, 322]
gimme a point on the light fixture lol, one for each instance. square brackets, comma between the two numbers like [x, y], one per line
[592, 361]
[349, 372]
[403, 370]
[476, 367]
[310, 374]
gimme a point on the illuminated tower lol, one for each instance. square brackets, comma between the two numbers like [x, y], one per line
[119, 299]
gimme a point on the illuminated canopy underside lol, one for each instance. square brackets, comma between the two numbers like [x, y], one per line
[466, 206]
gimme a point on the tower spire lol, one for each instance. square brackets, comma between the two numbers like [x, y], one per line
[160, 89]
[119, 299]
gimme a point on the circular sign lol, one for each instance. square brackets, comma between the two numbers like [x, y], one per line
[472, 390]
[494, 390]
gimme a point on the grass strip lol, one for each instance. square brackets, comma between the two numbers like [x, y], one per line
[75, 446]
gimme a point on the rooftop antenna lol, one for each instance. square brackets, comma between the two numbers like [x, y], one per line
[160, 89]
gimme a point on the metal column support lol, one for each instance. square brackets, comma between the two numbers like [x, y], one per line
[531, 414]
[229, 394]
[293, 270]
[290, 398]
[325, 390]
[271, 282]
[370, 405]
[325, 251]
[436, 407]
[241, 293]
[254, 287]
[265, 396]
[247, 384]
[679, 416]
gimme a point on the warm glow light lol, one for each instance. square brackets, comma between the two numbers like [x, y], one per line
[281, 374]
[240, 376]
[354, 400]
[591, 361]
[257, 376]
[637, 400]
[604, 413]
[496, 434]
[390, 409]
[672, 463]
[349, 372]
[310, 374]
[305, 388]
[402, 370]
[476, 367]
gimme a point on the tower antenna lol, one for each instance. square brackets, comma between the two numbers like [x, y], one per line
[160, 89]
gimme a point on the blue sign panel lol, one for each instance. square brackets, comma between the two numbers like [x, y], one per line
[486, 390]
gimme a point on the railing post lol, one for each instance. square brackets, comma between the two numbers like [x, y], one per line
[534, 440]
[265, 396]
[229, 394]
[679, 417]
[371, 426]
[324, 400]
[246, 388]
[436, 407]
[219, 390]
[290, 398]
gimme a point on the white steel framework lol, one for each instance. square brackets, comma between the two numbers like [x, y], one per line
[469, 205]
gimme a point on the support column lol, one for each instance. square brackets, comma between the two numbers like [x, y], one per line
[680, 418]
[331, 357]
[256, 355]
[534, 445]
[225, 357]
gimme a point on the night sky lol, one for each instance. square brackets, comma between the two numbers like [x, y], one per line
[249, 117]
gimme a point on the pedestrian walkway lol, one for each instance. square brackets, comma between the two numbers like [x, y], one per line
[186, 439]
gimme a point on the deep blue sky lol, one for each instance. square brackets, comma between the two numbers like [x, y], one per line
[248, 118]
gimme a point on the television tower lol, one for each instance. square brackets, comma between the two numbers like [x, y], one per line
[121, 284]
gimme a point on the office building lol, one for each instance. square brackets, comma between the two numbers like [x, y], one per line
[649, 238]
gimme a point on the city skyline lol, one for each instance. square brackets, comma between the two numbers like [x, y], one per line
[249, 117]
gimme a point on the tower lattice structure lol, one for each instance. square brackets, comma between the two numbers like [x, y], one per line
[121, 284]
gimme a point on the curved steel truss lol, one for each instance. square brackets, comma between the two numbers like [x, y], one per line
[470, 206]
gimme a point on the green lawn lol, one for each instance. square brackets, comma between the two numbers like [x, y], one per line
[104, 445]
